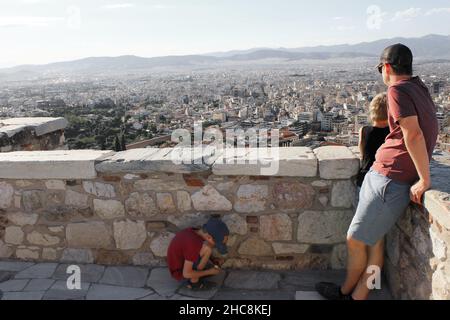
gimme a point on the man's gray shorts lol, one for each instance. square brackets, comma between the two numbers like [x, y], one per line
[381, 202]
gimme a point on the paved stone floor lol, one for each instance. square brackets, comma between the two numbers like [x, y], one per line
[48, 281]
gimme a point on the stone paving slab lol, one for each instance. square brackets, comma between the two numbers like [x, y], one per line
[6, 275]
[135, 277]
[23, 295]
[59, 291]
[107, 292]
[89, 272]
[252, 280]
[14, 265]
[38, 271]
[48, 281]
[308, 295]
[230, 294]
[13, 285]
[306, 280]
[162, 282]
[152, 296]
[39, 284]
[206, 294]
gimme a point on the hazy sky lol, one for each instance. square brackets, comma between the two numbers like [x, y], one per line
[42, 31]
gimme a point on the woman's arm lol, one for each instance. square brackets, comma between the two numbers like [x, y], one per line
[362, 142]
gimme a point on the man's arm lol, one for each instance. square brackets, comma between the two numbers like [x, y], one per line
[189, 272]
[416, 146]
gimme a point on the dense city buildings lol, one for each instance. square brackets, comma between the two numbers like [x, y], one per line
[313, 103]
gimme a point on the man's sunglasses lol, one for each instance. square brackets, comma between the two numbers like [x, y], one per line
[380, 67]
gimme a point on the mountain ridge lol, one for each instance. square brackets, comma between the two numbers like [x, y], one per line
[432, 47]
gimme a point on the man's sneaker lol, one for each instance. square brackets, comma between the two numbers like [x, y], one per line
[331, 291]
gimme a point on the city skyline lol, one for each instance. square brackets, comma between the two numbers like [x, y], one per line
[44, 31]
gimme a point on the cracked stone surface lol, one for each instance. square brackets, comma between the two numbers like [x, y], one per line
[253, 280]
[125, 276]
[48, 281]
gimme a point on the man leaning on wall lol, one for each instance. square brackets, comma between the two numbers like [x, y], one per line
[400, 174]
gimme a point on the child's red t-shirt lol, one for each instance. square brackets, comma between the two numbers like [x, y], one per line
[185, 246]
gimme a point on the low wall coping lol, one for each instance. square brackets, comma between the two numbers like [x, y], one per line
[55, 164]
[330, 163]
[292, 162]
[40, 125]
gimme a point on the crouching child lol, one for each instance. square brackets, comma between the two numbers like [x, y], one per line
[190, 253]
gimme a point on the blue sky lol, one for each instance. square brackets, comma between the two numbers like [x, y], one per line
[42, 31]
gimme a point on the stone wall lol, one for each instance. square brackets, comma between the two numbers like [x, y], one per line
[124, 208]
[31, 134]
[417, 260]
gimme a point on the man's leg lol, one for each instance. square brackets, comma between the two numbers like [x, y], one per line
[356, 264]
[376, 258]
[205, 254]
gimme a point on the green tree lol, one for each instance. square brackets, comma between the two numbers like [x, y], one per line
[123, 145]
[117, 146]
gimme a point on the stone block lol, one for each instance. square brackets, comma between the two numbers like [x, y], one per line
[293, 195]
[27, 253]
[209, 199]
[251, 198]
[55, 185]
[276, 227]
[129, 234]
[56, 164]
[326, 227]
[109, 209]
[6, 195]
[33, 200]
[99, 189]
[14, 235]
[343, 194]
[183, 201]
[289, 248]
[255, 247]
[77, 255]
[41, 239]
[149, 160]
[88, 235]
[160, 244]
[165, 203]
[140, 205]
[283, 162]
[236, 223]
[76, 199]
[337, 162]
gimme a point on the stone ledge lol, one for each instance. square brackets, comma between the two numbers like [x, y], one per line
[148, 159]
[41, 126]
[438, 205]
[292, 162]
[437, 200]
[58, 164]
[337, 162]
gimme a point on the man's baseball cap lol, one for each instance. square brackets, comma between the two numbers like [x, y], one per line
[218, 230]
[397, 55]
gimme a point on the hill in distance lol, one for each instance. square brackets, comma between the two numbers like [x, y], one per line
[431, 47]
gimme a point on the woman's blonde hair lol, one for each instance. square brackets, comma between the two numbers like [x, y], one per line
[378, 108]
